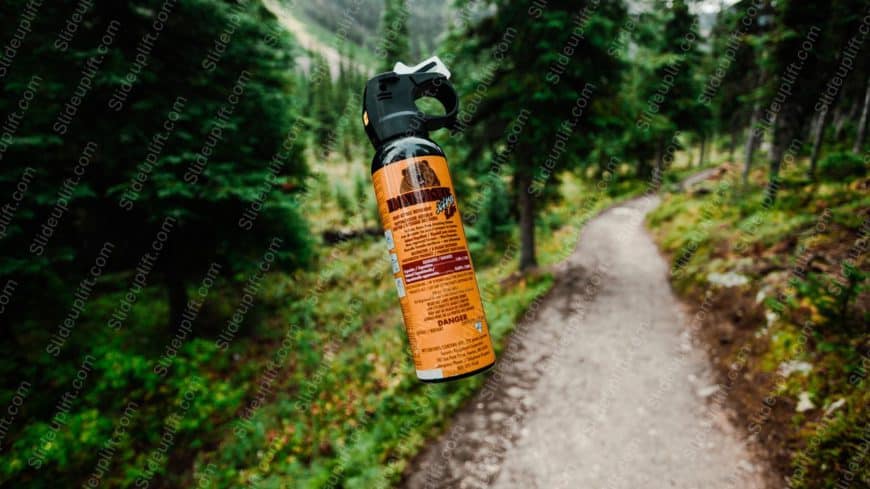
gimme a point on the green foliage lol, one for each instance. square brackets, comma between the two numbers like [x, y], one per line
[833, 296]
[493, 223]
[842, 165]
[190, 134]
[343, 407]
[549, 86]
[663, 95]
[333, 105]
[836, 439]
[734, 69]
[821, 304]
[228, 113]
[394, 43]
[345, 204]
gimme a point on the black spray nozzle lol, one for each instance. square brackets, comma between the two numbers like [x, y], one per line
[389, 104]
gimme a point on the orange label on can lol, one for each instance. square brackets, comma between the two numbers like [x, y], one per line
[432, 268]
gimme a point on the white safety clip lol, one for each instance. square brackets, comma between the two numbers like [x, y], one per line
[431, 65]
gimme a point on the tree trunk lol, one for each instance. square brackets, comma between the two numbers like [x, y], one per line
[691, 155]
[773, 183]
[526, 203]
[777, 151]
[732, 146]
[177, 298]
[818, 136]
[862, 124]
[701, 151]
[782, 134]
[644, 169]
[840, 117]
[601, 166]
[751, 141]
[659, 170]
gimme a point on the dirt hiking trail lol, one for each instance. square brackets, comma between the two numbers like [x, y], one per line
[599, 386]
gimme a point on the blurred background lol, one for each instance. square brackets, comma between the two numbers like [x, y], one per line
[193, 292]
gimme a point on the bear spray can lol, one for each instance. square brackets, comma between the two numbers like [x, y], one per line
[430, 263]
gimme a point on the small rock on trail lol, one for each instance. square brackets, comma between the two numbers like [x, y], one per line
[596, 388]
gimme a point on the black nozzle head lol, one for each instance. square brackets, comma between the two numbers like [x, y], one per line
[390, 110]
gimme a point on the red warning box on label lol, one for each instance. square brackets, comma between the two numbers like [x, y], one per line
[437, 266]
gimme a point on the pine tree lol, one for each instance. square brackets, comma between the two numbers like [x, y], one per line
[841, 74]
[395, 42]
[322, 107]
[670, 87]
[544, 72]
[796, 68]
[739, 48]
[229, 111]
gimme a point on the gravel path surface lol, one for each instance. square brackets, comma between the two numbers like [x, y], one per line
[599, 386]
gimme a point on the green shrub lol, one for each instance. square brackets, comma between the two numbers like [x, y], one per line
[831, 455]
[842, 165]
[494, 222]
[344, 201]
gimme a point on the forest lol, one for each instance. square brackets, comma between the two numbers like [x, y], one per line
[194, 289]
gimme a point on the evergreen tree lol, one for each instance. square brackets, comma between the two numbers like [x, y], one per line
[740, 37]
[550, 76]
[395, 42]
[669, 87]
[322, 105]
[191, 138]
[861, 130]
[795, 67]
[843, 67]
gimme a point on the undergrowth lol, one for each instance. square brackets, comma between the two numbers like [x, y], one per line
[790, 287]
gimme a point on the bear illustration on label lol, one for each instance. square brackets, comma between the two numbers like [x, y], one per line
[418, 175]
